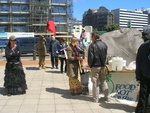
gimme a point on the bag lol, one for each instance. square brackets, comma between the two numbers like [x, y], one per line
[105, 70]
[62, 56]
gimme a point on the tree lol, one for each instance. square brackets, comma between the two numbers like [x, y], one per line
[112, 27]
[95, 30]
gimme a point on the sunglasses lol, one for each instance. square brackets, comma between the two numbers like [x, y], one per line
[12, 40]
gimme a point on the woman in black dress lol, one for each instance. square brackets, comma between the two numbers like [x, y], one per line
[14, 80]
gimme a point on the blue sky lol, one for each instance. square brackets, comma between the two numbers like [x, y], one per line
[80, 6]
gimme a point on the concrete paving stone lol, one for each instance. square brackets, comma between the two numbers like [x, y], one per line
[62, 101]
[17, 97]
[46, 108]
[65, 111]
[27, 112]
[33, 92]
[49, 101]
[34, 88]
[30, 101]
[44, 96]
[64, 107]
[10, 108]
[3, 102]
[94, 105]
[87, 111]
[36, 96]
[28, 108]
[14, 102]
[48, 92]
[101, 111]
[77, 106]
[1, 106]
[45, 112]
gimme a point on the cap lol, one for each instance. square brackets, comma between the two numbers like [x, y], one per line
[12, 38]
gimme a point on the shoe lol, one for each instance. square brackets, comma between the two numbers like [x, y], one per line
[95, 101]
[8, 94]
[56, 67]
[52, 67]
[43, 67]
[105, 99]
[24, 92]
[79, 93]
[40, 68]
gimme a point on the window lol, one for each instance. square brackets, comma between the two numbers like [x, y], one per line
[31, 41]
[4, 8]
[25, 41]
[4, 18]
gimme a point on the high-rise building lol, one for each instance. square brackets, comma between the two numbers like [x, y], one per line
[147, 11]
[98, 18]
[32, 15]
[130, 19]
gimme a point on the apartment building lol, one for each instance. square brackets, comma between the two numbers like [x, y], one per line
[32, 15]
[98, 18]
[127, 18]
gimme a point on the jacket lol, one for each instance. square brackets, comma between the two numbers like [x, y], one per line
[41, 47]
[97, 53]
[53, 47]
[142, 61]
[12, 55]
[62, 47]
[72, 63]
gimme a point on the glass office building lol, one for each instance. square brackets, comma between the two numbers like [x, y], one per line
[32, 15]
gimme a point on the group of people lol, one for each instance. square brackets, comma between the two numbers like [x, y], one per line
[70, 54]
[15, 82]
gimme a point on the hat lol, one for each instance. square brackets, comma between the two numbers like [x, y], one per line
[83, 29]
[12, 38]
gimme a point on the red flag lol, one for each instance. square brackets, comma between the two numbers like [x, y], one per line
[51, 26]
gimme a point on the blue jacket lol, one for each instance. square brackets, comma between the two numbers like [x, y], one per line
[53, 47]
[61, 47]
[142, 61]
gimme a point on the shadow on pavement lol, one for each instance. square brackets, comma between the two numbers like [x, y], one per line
[126, 108]
[66, 94]
[32, 68]
[57, 72]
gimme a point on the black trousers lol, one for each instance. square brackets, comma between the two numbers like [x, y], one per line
[54, 61]
[143, 95]
[62, 60]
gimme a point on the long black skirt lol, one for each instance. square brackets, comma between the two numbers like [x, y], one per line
[14, 80]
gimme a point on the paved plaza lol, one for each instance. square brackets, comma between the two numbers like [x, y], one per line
[48, 93]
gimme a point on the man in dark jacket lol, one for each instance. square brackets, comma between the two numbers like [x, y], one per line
[96, 59]
[143, 75]
[53, 50]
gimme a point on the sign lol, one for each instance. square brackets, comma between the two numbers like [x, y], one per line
[19, 34]
[123, 86]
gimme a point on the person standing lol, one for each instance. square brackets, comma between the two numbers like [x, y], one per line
[97, 53]
[73, 67]
[53, 51]
[41, 48]
[62, 49]
[14, 80]
[83, 38]
[143, 75]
